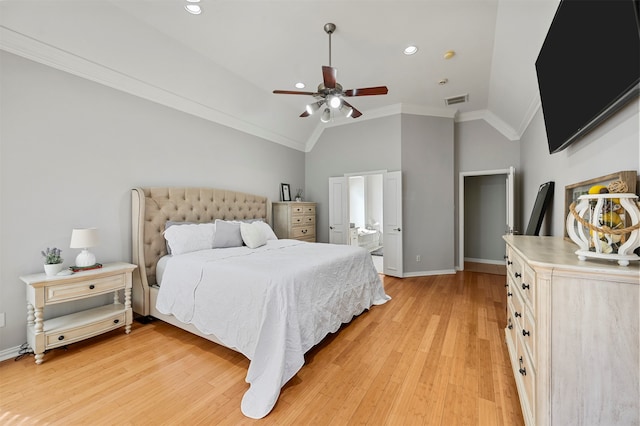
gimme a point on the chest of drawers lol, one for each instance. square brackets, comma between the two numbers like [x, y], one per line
[573, 335]
[295, 220]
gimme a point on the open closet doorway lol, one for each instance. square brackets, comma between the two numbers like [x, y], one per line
[486, 212]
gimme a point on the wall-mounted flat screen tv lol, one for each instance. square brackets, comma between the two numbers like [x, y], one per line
[588, 67]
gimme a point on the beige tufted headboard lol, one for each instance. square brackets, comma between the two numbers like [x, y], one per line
[153, 207]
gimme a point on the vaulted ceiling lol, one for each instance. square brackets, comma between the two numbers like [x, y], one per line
[224, 63]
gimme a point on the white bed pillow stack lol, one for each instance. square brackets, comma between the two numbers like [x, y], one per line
[188, 237]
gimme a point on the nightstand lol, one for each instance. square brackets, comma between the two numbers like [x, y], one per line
[43, 291]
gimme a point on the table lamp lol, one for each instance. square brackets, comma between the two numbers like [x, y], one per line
[84, 238]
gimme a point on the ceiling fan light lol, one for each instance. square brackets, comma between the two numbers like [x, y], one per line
[326, 115]
[349, 112]
[334, 101]
[313, 107]
[194, 9]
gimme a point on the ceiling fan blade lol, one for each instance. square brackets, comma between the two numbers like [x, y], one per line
[367, 91]
[329, 75]
[304, 114]
[293, 92]
[355, 113]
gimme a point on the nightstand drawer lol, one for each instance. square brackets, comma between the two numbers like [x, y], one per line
[75, 327]
[79, 290]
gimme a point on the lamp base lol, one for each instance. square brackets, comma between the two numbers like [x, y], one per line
[85, 258]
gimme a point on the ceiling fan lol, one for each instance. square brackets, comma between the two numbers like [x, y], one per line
[330, 93]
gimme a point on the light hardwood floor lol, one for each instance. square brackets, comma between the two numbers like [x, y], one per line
[434, 355]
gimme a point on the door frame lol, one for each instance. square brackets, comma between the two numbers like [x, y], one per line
[510, 204]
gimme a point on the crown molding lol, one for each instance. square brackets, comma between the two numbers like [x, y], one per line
[37, 51]
[492, 119]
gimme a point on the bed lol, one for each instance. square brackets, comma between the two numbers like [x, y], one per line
[272, 302]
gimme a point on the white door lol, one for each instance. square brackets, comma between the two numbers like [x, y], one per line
[511, 181]
[338, 210]
[392, 213]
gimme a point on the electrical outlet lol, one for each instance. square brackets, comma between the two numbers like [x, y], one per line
[418, 258]
[2, 319]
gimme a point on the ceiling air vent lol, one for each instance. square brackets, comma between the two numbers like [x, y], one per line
[456, 99]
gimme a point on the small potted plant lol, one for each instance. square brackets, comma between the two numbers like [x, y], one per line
[299, 195]
[52, 261]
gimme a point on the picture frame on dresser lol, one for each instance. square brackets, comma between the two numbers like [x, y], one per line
[285, 192]
[574, 191]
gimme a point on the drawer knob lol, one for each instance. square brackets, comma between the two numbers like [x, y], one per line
[91, 287]
[518, 275]
[509, 294]
[525, 286]
[525, 332]
[115, 321]
[507, 285]
[505, 257]
[510, 326]
[509, 262]
[518, 314]
[60, 337]
[522, 370]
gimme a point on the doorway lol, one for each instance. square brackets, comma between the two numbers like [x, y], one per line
[486, 208]
[378, 214]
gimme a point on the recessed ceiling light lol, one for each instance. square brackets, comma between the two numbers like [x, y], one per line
[193, 9]
[410, 50]
[300, 85]
[449, 54]
[443, 81]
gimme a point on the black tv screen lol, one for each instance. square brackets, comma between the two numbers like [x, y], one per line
[588, 66]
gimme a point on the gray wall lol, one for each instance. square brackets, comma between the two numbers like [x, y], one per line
[420, 146]
[363, 146]
[480, 147]
[612, 147]
[71, 150]
[428, 204]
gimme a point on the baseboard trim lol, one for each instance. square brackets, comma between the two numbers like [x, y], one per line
[9, 353]
[486, 261]
[428, 273]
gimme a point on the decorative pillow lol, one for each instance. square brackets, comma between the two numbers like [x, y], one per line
[253, 234]
[266, 229]
[189, 237]
[227, 234]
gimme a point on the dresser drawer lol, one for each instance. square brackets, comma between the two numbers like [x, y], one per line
[527, 376]
[303, 209]
[304, 231]
[527, 333]
[79, 290]
[515, 265]
[528, 286]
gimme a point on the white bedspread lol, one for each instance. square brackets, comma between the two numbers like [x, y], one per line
[272, 303]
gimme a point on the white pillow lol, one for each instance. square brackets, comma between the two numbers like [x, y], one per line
[253, 234]
[268, 232]
[188, 238]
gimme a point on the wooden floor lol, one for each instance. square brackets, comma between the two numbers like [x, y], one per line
[433, 355]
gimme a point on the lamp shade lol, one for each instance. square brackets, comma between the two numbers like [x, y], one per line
[84, 238]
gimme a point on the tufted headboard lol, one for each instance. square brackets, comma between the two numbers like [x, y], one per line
[152, 207]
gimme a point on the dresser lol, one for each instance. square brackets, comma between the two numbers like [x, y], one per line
[295, 220]
[573, 334]
[43, 291]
